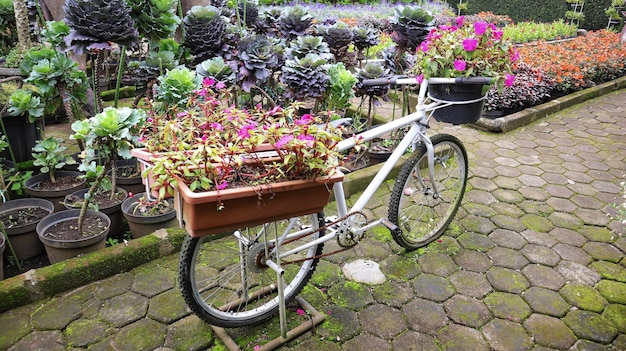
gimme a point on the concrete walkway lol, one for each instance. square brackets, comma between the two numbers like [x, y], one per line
[531, 262]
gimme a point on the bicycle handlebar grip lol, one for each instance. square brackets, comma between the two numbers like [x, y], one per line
[378, 81]
[473, 80]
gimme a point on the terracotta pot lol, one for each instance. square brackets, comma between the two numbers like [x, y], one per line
[114, 212]
[250, 205]
[24, 238]
[54, 196]
[59, 250]
[142, 225]
[461, 111]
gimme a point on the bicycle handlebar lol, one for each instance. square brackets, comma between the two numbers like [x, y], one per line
[404, 80]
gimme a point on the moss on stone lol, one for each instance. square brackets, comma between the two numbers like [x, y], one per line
[612, 291]
[13, 293]
[584, 297]
[537, 223]
[326, 274]
[616, 314]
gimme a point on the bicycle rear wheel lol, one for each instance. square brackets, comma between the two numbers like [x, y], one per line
[224, 278]
[420, 214]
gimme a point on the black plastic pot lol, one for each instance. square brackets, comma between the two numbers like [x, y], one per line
[21, 135]
[468, 101]
[24, 238]
[141, 225]
[54, 196]
[2, 245]
[59, 250]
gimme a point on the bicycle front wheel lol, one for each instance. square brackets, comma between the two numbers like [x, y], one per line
[226, 281]
[420, 213]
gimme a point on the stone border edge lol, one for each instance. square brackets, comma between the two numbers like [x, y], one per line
[531, 114]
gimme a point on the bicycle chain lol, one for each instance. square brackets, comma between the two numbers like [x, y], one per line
[328, 225]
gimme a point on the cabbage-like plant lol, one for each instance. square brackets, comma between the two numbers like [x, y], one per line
[339, 39]
[411, 25]
[305, 77]
[25, 102]
[219, 70]
[309, 44]
[206, 33]
[340, 87]
[176, 86]
[295, 23]
[258, 59]
[97, 23]
[155, 19]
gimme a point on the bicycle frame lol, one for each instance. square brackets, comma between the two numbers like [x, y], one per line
[418, 122]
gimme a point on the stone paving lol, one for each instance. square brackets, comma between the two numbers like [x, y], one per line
[531, 262]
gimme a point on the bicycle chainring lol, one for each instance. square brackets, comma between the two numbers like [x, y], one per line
[349, 231]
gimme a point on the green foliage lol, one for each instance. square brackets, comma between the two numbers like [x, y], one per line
[176, 86]
[524, 32]
[340, 87]
[8, 32]
[155, 19]
[25, 102]
[48, 154]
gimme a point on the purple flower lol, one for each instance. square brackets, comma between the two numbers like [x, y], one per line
[423, 46]
[514, 55]
[217, 126]
[309, 140]
[470, 44]
[283, 141]
[420, 78]
[220, 85]
[244, 132]
[204, 137]
[480, 27]
[459, 20]
[460, 65]
[509, 79]
[150, 120]
[182, 114]
[202, 92]
[307, 118]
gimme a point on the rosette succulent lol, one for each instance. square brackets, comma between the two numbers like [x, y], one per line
[155, 19]
[371, 70]
[339, 38]
[258, 59]
[206, 33]
[309, 44]
[363, 39]
[96, 23]
[411, 25]
[219, 70]
[295, 23]
[306, 77]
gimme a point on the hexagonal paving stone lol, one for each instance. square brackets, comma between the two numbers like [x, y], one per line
[460, 338]
[616, 314]
[383, 321]
[189, 333]
[541, 254]
[145, 334]
[542, 276]
[577, 273]
[539, 238]
[366, 341]
[572, 253]
[478, 242]
[394, 294]
[471, 284]
[508, 239]
[473, 261]
[609, 270]
[437, 263]
[351, 295]
[409, 339]
[467, 311]
[341, 324]
[591, 326]
[507, 280]
[546, 301]
[603, 251]
[425, 316]
[124, 309]
[507, 306]
[583, 297]
[150, 282]
[568, 236]
[398, 268]
[432, 287]
[504, 335]
[612, 291]
[550, 331]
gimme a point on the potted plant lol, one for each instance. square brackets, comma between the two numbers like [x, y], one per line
[464, 49]
[109, 136]
[11, 180]
[145, 215]
[215, 158]
[18, 220]
[52, 184]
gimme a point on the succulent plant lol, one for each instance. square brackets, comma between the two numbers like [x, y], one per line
[258, 59]
[309, 44]
[176, 86]
[295, 23]
[155, 19]
[397, 61]
[411, 25]
[96, 23]
[305, 77]
[364, 37]
[219, 70]
[371, 70]
[206, 33]
[268, 22]
[339, 38]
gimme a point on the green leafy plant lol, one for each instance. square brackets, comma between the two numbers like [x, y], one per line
[340, 90]
[176, 86]
[48, 154]
[25, 102]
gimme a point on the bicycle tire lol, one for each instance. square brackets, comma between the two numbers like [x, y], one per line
[211, 270]
[420, 216]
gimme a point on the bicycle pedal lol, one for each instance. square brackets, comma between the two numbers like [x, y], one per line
[394, 229]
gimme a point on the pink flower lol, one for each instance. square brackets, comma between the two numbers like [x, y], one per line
[217, 126]
[220, 85]
[480, 27]
[244, 132]
[182, 114]
[470, 44]
[257, 347]
[420, 78]
[497, 34]
[300, 312]
[307, 118]
[204, 137]
[514, 55]
[201, 92]
[283, 141]
[459, 20]
[423, 46]
[460, 65]
[208, 81]
[308, 139]
[150, 120]
[223, 185]
[509, 79]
